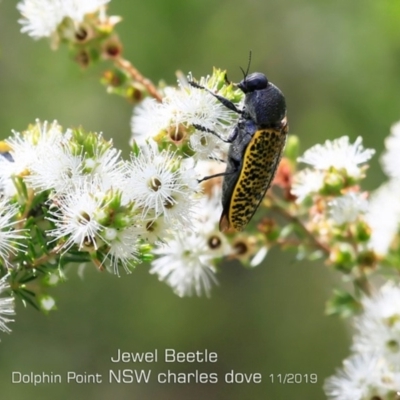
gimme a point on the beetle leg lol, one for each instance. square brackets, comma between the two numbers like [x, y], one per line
[206, 178]
[204, 129]
[217, 159]
[227, 103]
[232, 136]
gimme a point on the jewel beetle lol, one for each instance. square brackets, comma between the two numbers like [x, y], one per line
[256, 145]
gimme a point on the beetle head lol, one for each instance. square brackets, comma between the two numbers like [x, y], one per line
[252, 82]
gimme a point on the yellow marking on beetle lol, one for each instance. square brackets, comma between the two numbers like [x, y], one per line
[260, 162]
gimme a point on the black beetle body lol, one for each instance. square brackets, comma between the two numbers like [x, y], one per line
[257, 143]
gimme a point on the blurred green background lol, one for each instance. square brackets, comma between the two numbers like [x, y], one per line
[337, 63]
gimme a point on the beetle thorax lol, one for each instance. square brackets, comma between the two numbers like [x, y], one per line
[266, 107]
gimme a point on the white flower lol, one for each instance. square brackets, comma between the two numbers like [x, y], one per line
[148, 120]
[383, 216]
[158, 182]
[385, 304]
[185, 264]
[60, 168]
[56, 168]
[28, 149]
[378, 328]
[41, 18]
[306, 182]
[47, 158]
[186, 261]
[47, 303]
[155, 229]
[210, 205]
[208, 146]
[390, 159]
[191, 106]
[347, 208]
[123, 248]
[105, 167]
[76, 216]
[181, 208]
[339, 154]
[77, 9]
[206, 225]
[379, 338]
[363, 377]
[9, 236]
[7, 186]
[6, 306]
[206, 221]
[211, 208]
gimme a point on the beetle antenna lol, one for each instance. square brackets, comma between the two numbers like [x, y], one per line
[248, 65]
[248, 68]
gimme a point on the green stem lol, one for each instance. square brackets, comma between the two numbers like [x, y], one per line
[296, 220]
[46, 257]
[361, 284]
[137, 76]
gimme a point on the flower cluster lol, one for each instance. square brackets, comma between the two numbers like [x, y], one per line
[358, 231]
[96, 202]
[61, 18]
[6, 305]
[183, 111]
[384, 212]
[334, 166]
[331, 205]
[91, 203]
[372, 371]
[83, 25]
[11, 235]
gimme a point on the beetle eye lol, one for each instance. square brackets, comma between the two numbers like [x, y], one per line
[255, 81]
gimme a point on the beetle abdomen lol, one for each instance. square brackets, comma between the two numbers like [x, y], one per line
[260, 162]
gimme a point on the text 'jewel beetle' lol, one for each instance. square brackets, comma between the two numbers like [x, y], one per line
[257, 143]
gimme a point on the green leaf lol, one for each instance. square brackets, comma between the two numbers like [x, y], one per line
[342, 304]
[27, 298]
[27, 278]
